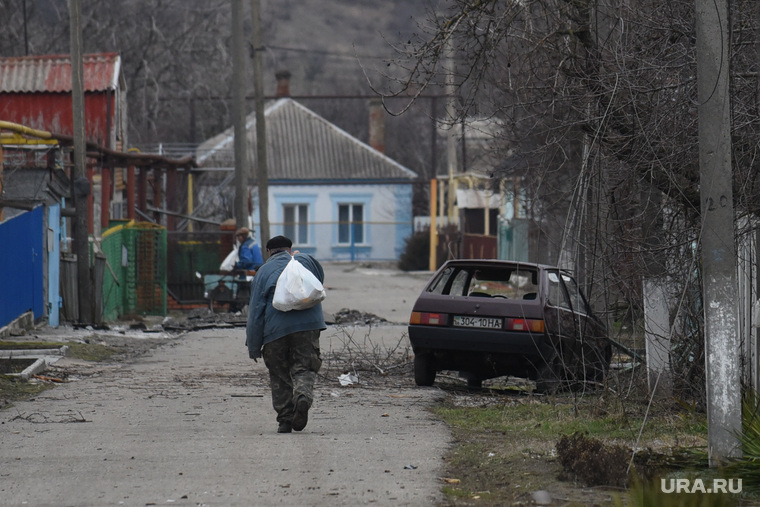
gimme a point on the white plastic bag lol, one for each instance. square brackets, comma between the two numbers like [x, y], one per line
[228, 264]
[297, 288]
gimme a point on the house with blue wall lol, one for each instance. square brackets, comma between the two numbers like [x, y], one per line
[335, 196]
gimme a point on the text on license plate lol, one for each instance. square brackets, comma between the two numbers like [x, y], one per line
[487, 322]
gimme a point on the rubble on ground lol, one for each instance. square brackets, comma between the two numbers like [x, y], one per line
[356, 318]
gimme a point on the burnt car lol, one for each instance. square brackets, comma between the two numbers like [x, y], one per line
[493, 318]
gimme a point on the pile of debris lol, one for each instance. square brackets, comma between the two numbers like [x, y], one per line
[356, 318]
[204, 318]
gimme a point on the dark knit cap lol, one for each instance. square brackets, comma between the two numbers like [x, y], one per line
[279, 242]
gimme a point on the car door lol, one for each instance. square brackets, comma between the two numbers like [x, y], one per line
[589, 328]
[561, 322]
[593, 353]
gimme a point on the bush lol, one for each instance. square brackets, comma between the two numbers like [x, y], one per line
[591, 462]
[416, 256]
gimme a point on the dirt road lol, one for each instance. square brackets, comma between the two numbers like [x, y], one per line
[191, 422]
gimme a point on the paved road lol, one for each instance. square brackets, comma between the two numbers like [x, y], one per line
[191, 423]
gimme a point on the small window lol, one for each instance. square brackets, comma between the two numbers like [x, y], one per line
[296, 223]
[557, 294]
[576, 298]
[350, 224]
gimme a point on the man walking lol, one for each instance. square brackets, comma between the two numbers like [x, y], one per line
[288, 341]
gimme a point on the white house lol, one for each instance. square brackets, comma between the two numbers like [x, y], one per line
[336, 197]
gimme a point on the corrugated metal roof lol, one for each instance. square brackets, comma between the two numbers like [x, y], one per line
[301, 145]
[52, 73]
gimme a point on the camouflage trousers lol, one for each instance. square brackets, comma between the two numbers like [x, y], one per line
[293, 362]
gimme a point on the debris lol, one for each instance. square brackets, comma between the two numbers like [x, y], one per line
[355, 317]
[348, 379]
[410, 467]
[542, 497]
[49, 379]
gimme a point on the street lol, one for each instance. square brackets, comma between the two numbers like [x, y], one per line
[191, 423]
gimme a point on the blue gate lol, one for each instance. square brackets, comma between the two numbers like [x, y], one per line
[21, 269]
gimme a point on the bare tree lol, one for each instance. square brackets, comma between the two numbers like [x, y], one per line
[599, 101]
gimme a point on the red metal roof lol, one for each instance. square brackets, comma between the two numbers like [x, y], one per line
[52, 73]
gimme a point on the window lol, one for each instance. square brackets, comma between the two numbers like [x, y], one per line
[579, 304]
[557, 295]
[296, 223]
[350, 223]
[504, 283]
[475, 221]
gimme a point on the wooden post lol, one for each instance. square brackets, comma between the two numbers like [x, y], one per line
[171, 198]
[262, 171]
[131, 192]
[239, 113]
[142, 196]
[90, 201]
[105, 198]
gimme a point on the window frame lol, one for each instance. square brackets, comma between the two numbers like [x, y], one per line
[300, 224]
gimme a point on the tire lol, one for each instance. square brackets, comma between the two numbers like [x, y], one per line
[424, 369]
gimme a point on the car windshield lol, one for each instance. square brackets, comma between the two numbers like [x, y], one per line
[478, 281]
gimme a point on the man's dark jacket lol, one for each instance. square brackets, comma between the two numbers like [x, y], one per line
[265, 322]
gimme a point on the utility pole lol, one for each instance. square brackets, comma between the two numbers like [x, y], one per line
[81, 185]
[238, 112]
[262, 172]
[722, 344]
[451, 141]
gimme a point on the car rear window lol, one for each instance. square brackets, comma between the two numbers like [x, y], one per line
[477, 281]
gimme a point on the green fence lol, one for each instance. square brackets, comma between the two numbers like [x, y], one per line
[193, 254]
[135, 277]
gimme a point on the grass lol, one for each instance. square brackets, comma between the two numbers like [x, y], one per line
[13, 389]
[91, 351]
[10, 345]
[506, 449]
[547, 419]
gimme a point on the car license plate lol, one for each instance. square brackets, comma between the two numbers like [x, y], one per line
[486, 322]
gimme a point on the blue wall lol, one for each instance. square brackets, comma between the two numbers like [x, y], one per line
[21, 266]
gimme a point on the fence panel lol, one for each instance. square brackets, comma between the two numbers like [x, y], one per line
[21, 272]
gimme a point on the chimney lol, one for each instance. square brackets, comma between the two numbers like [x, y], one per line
[377, 124]
[283, 83]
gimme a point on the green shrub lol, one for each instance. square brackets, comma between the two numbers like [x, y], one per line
[416, 256]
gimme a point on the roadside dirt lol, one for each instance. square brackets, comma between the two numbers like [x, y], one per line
[491, 468]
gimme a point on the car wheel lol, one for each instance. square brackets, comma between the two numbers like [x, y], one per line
[424, 369]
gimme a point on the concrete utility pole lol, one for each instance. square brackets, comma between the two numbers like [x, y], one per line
[718, 249]
[81, 185]
[262, 172]
[451, 140]
[238, 113]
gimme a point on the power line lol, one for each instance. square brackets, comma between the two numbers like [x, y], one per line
[326, 52]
